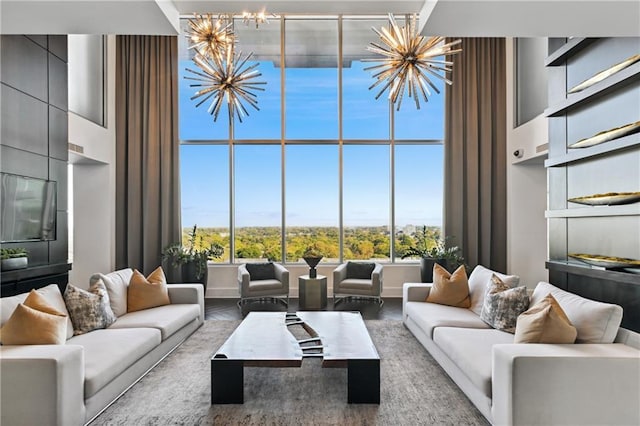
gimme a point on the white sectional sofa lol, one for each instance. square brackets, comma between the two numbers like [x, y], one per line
[533, 384]
[70, 384]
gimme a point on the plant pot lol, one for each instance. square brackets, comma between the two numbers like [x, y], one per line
[426, 268]
[189, 274]
[14, 263]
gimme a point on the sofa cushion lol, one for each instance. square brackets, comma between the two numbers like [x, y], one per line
[263, 285]
[502, 305]
[261, 271]
[107, 353]
[168, 319]
[116, 283]
[596, 322]
[449, 289]
[360, 270]
[89, 310]
[145, 293]
[428, 316]
[52, 295]
[545, 322]
[470, 349]
[478, 282]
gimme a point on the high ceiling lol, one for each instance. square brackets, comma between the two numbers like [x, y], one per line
[524, 18]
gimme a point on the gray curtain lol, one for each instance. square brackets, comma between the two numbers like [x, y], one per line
[475, 153]
[147, 172]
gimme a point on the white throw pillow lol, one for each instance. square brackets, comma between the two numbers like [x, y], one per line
[52, 295]
[596, 322]
[480, 279]
[117, 283]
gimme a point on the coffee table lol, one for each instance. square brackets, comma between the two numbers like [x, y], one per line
[263, 340]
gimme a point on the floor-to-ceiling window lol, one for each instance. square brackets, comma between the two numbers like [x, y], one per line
[323, 163]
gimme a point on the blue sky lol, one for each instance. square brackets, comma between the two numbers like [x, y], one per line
[312, 175]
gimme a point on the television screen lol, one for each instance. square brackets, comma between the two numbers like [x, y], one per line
[28, 208]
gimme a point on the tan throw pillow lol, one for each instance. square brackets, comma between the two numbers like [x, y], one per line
[449, 289]
[145, 293]
[503, 304]
[545, 322]
[35, 322]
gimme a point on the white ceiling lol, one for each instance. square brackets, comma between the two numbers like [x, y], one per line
[525, 18]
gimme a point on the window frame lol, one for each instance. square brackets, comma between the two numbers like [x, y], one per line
[283, 142]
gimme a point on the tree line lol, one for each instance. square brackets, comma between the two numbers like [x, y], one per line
[362, 242]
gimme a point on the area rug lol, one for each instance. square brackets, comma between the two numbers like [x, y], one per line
[414, 389]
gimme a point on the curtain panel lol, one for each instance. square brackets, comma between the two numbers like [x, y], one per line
[147, 149]
[475, 153]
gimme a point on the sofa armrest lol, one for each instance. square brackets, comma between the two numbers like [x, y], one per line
[339, 275]
[541, 384]
[187, 294]
[376, 279]
[414, 292]
[243, 280]
[282, 275]
[42, 385]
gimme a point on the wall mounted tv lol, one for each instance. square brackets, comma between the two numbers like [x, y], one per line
[27, 208]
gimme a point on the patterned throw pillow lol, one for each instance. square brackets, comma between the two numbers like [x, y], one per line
[503, 304]
[89, 310]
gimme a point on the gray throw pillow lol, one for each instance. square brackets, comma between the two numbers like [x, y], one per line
[89, 310]
[360, 270]
[261, 271]
[502, 305]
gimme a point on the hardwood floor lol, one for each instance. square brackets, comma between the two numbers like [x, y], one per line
[226, 309]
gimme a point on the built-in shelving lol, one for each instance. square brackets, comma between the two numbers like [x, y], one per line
[616, 81]
[587, 271]
[578, 154]
[570, 48]
[595, 169]
[596, 211]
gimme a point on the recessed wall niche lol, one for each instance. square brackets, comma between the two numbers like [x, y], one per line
[608, 166]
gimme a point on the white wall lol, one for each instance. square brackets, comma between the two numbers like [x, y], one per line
[526, 190]
[223, 279]
[94, 187]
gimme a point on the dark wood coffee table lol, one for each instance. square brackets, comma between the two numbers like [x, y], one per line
[263, 340]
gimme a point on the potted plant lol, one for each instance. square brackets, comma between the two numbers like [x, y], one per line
[312, 256]
[431, 252]
[15, 258]
[192, 258]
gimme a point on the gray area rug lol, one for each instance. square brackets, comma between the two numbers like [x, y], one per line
[414, 389]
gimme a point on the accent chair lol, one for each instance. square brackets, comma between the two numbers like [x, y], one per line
[263, 281]
[362, 280]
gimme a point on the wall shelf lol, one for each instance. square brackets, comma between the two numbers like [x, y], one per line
[616, 81]
[572, 155]
[570, 48]
[596, 211]
[596, 169]
[586, 271]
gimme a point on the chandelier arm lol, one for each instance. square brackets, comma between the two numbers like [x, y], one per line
[203, 100]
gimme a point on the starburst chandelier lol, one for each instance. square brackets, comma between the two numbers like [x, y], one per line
[223, 75]
[408, 61]
[226, 79]
[208, 35]
[257, 17]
